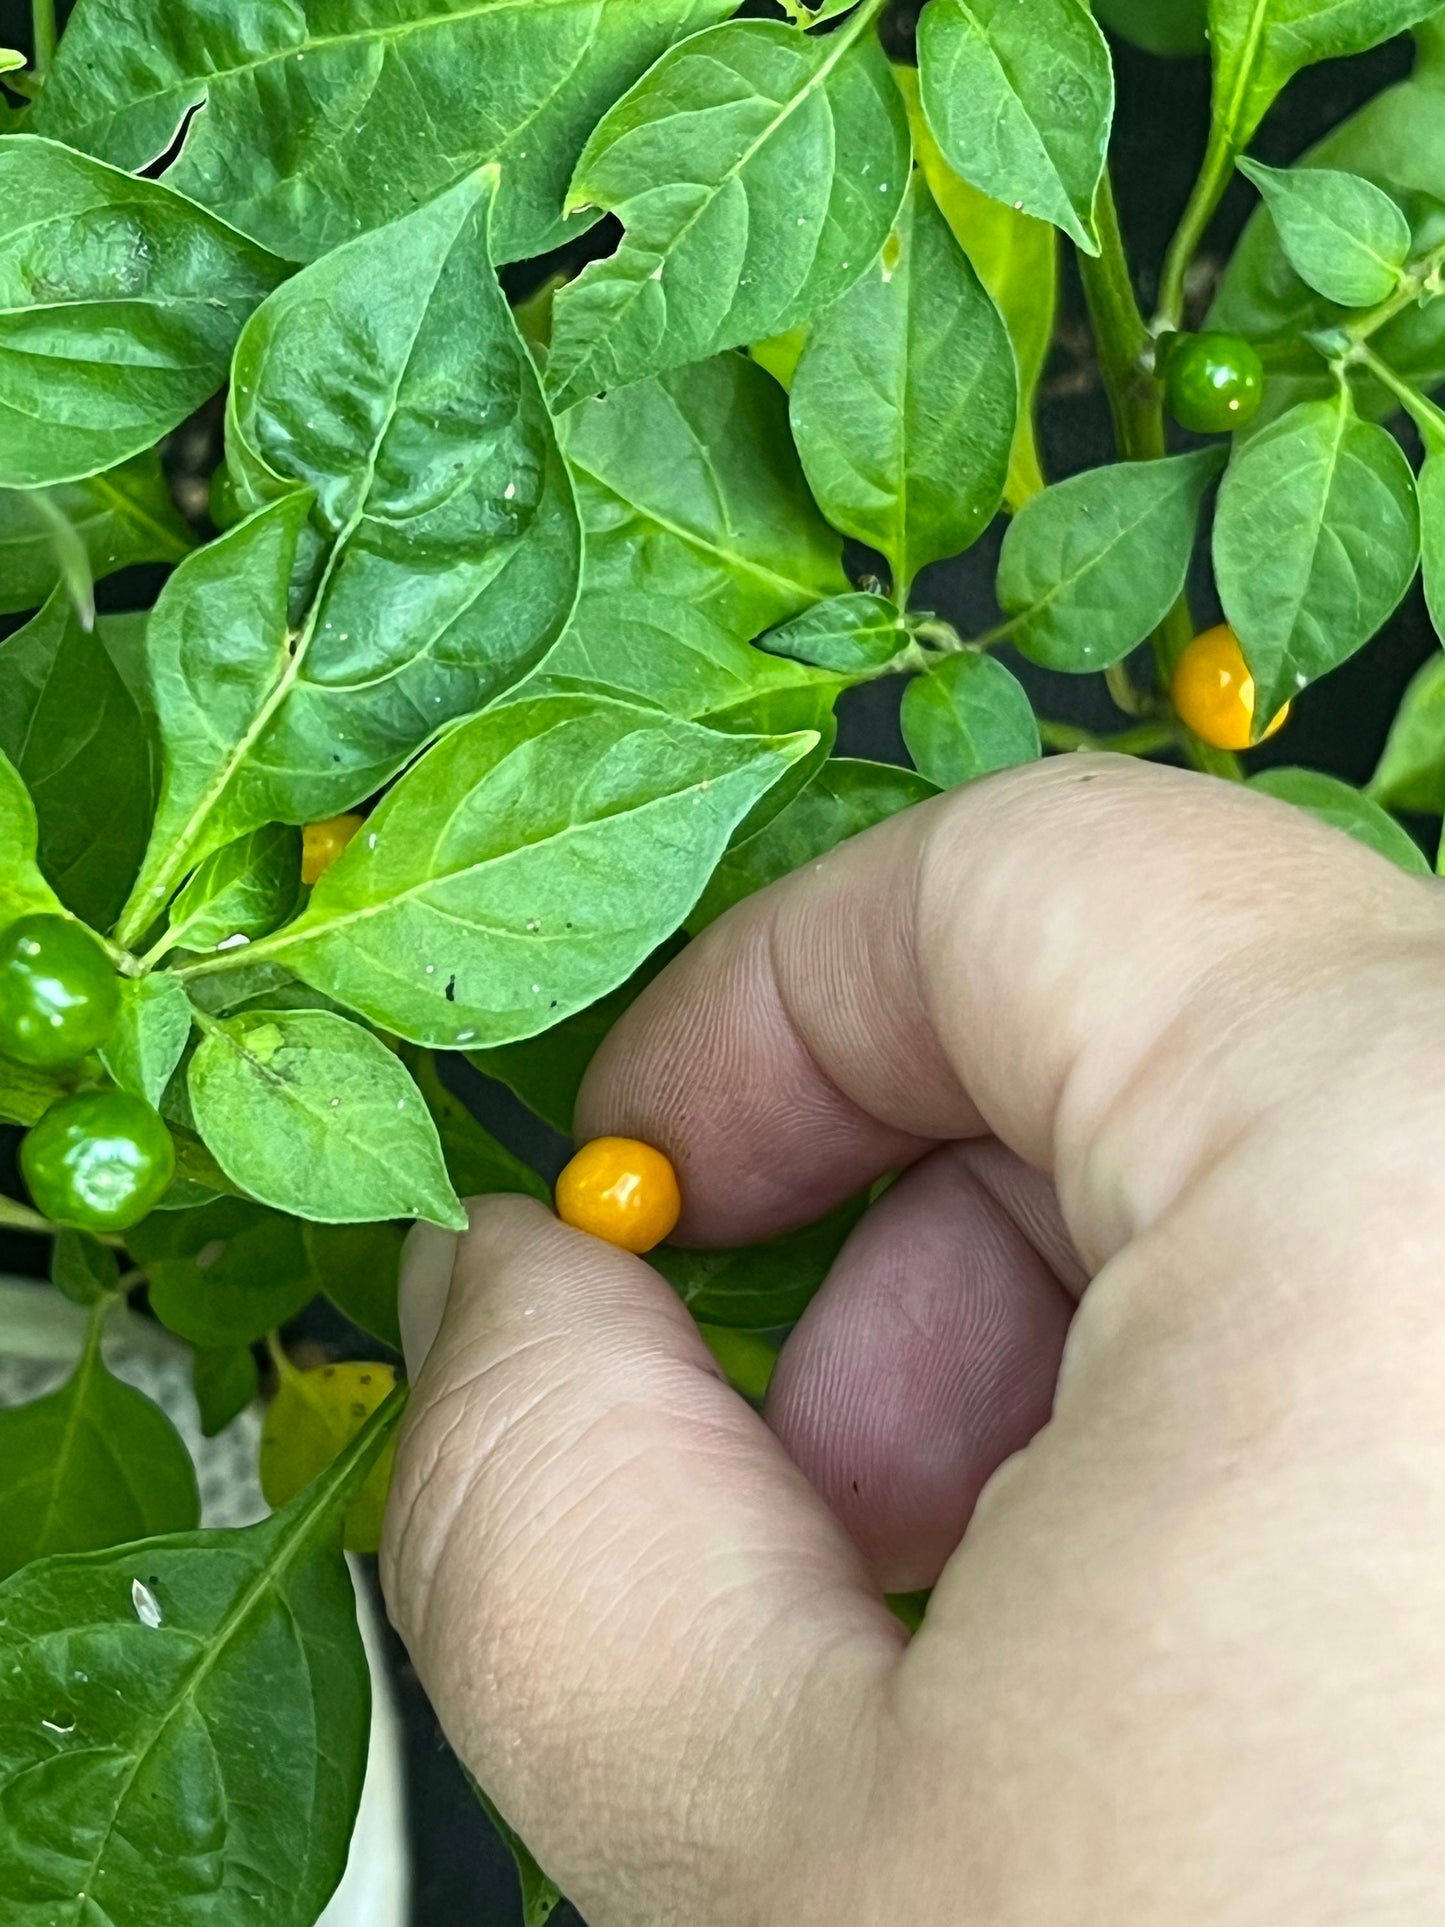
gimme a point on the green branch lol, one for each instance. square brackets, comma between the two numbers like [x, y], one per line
[42, 34]
[1204, 198]
[1124, 343]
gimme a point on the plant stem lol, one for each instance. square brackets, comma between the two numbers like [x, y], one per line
[1143, 740]
[1204, 198]
[1423, 279]
[1429, 419]
[15, 1216]
[42, 34]
[1124, 343]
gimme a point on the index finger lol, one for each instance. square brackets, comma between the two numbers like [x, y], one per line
[943, 975]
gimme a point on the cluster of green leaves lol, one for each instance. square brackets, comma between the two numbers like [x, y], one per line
[556, 595]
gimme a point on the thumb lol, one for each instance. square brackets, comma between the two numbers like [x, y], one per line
[579, 1499]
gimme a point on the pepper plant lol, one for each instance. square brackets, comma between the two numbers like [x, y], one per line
[532, 617]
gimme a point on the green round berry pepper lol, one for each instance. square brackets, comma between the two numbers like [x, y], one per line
[59, 994]
[1212, 382]
[98, 1161]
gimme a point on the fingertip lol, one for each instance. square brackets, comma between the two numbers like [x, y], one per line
[427, 1259]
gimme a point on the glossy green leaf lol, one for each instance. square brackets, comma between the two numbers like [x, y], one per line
[846, 796]
[477, 1163]
[120, 304]
[225, 1382]
[145, 1047]
[1430, 493]
[244, 889]
[93, 1464]
[224, 1274]
[390, 380]
[1411, 772]
[82, 1269]
[312, 1114]
[1316, 539]
[183, 1728]
[358, 1266]
[1168, 27]
[1020, 97]
[853, 635]
[1094, 563]
[904, 402]
[757, 172]
[966, 717]
[1344, 808]
[320, 121]
[72, 729]
[1341, 234]
[525, 866]
[22, 887]
[545, 1072]
[1017, 259]
[761, 1286]
[1257, 45]
[690, 489]
[122, 517]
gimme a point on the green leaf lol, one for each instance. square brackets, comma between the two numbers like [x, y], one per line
[904, 402]
[757, 172]
[545, 1072]
[143, 1050]
[966, 717]
[1340, 233]
[1344, 808]
[121, 517]
[541, 1897]
[389, 380]
[120, 304]
[1020, 97]
[312, 1114]
[847, 795]
[1316, 539]
[1411, 771]
[1430, 493]
[315, 126]
[225, 1382]
[1167, 27]
[476, 1162]
[26, 1095]
[82, 1269]
[761, 1286]
[1257, 45]
[72, 729]
[358, 1266]
[93, 1464]
[22, 887]
[852, 635]
[183, 1727]
[225, 1273]
[244, 889]
[1094, 563]
[690, 488]
[527, 864]
[1017, 260]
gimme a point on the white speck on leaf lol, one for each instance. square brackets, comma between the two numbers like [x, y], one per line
[147, 1606]
[233, 942]
[54, 1726]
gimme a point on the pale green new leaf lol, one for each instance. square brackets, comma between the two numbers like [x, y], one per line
[1257, 45]
[1344, 808]
[1020, 97]
[757, 171]
[322, 119]
[1342, 235]
[966, 717]
[73, 730]
[525, 866]
[93, 1464]
[313, 1115]
[22, 887]
[1411, 771]
[120, 303]
[1316, 539]
[1094, 563]
[183, 1726]
[904, 401]
[850, 635]
[243, 889]
[154, 1027]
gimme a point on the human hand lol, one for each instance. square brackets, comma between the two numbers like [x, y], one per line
[1184, 1666]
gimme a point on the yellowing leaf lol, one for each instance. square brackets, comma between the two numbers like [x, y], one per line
[313, 1415]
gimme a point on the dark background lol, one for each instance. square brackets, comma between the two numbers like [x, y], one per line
[463, 1873]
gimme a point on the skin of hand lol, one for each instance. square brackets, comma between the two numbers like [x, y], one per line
[1146, 1042]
